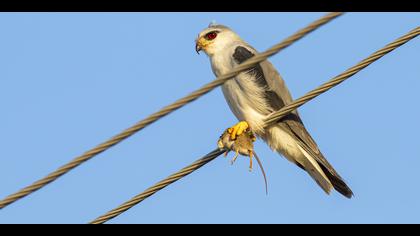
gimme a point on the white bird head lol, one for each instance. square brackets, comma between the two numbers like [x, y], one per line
[215, 38]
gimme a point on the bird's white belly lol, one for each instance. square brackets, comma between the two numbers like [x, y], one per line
[238, 101]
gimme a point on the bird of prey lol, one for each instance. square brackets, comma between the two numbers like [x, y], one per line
[254, 94]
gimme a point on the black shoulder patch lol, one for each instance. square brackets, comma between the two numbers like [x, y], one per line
[241, 54]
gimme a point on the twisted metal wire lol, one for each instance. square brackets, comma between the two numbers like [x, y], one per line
[166, 110]
[273, 117]
[277, 115]
[160, 185]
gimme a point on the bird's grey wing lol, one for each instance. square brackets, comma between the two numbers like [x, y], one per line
[295, 125]
[296, 128]
[278, 96]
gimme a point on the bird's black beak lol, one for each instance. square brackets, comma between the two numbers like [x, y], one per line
[197, 48]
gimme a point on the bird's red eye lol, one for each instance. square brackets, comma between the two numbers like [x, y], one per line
[211, 35]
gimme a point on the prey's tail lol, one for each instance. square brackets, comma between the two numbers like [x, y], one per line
[262, 171]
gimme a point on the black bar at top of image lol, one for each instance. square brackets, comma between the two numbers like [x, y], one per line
[209, 6]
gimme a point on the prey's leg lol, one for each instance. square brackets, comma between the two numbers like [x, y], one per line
[234, 157]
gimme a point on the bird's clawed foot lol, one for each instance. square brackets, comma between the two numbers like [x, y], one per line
[238, 129]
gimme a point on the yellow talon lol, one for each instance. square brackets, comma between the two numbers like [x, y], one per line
[238, 129]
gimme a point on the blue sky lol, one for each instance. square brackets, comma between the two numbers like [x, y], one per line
[69, 81]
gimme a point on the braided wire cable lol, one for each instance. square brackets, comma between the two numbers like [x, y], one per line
[273, 117]
[165, 111]
[277, 115]
[160, 185]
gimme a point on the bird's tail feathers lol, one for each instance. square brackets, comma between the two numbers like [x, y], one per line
[316, 172]
[338, 183]
[335, 181]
